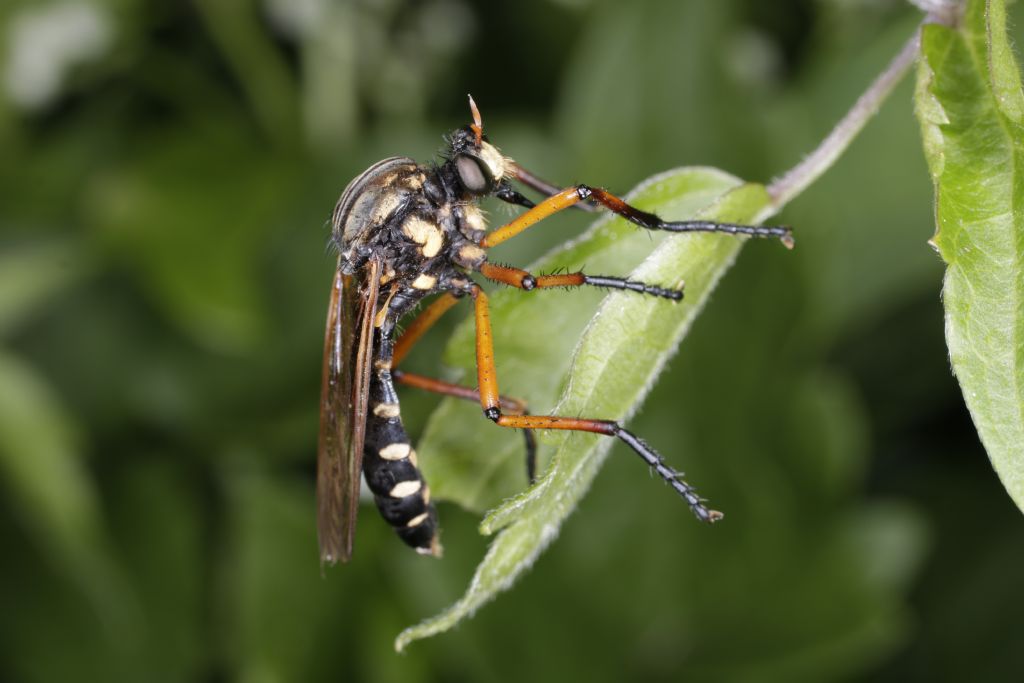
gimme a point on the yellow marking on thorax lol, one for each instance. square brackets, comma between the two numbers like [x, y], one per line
[386, 203]
[472, 254]
[474, 217]
[415, 181]
[425, 233]
[424, 281]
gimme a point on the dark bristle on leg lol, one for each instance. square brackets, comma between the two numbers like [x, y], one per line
[784, 234]
[632, 286]
[671, 476]
[516, 277]
[654, 222]
[490, 401]
[573, 196]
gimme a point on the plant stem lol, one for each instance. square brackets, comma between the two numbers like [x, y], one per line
[798, 178]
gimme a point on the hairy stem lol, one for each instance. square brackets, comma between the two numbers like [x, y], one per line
[798, 178]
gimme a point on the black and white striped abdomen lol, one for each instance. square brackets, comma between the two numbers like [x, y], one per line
[389, 463]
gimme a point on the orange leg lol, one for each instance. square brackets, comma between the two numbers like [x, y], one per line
[423, 322]
[419, 326]
[490, 401]
[544, 187]
[526, 281]
[513, 406]
[572, 196]
[551, 205]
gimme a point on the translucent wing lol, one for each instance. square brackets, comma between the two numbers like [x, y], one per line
[348, 352]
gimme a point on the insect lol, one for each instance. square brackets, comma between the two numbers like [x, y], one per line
[405, 231]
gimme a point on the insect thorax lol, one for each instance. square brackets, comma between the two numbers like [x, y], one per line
[415, 219]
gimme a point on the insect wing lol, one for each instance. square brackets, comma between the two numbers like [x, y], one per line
[348, 351]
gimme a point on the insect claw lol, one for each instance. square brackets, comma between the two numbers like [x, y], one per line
[787, 238]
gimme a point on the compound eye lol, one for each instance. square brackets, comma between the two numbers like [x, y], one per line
[472, 174]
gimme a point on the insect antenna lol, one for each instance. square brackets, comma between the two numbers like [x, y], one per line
[478, 125]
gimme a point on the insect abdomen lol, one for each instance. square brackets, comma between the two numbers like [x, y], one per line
[389, 463]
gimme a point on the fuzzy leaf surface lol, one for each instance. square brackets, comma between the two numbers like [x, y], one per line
[971, 110]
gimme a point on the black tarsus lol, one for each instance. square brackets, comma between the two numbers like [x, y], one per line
[651, 457]
[633, 286]
[652, 221]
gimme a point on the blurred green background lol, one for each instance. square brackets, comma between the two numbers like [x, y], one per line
[168, 168]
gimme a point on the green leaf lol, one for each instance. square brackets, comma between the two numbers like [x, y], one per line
[621, 351]
[53, 494]
[42, 465]
[150, 217]
[30, 276]
[971, 109]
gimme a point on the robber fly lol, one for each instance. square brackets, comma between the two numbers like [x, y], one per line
[405, 231]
